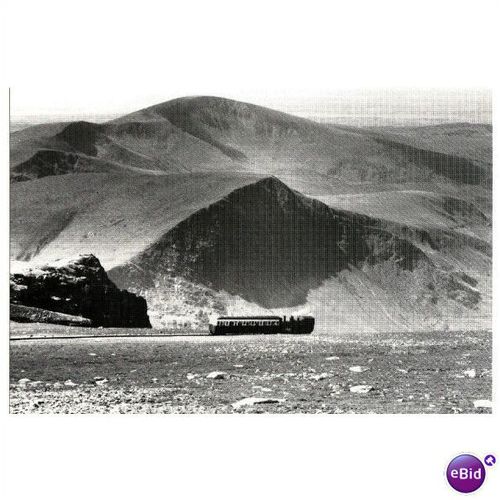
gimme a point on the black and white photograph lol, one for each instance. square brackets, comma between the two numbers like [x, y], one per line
[249, 249]
[208, 255]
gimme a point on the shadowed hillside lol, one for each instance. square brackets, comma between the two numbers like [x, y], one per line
[273, 248]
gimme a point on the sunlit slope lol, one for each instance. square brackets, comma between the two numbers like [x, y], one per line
[467, 140]
[111, 216]
[419, 209]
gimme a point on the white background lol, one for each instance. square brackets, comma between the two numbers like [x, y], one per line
[115, 54]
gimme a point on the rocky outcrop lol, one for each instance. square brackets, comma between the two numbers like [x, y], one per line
[25, 314]
[79, 287]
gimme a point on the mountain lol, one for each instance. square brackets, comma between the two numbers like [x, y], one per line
[205, 205]
[272, 248]
[207, 134]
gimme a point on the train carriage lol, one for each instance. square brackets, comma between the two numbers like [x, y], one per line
[226, 325]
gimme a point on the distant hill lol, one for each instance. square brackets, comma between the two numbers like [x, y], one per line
[205, 205]
[207, 134]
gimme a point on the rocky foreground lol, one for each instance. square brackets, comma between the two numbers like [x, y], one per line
[75, 291]
[439, 372]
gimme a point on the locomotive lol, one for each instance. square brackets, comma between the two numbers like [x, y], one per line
[261, 324]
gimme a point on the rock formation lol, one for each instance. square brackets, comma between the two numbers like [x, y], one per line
[25, 314]
[78, 287]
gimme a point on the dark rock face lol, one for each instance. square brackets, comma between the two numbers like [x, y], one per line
[79, 287]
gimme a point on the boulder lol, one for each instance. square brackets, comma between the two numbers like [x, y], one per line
[361, 389]
[255, 401]
[217, 375]
[358, 369]
[78, 287]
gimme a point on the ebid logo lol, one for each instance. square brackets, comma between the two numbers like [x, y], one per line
[466, 473]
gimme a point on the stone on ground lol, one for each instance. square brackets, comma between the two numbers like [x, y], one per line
[361, 389]
[217, 375]
[255, 401]
[358, 369]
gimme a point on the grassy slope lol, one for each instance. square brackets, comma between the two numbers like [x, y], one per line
[107, 215]
[421, 209]
[468, 140]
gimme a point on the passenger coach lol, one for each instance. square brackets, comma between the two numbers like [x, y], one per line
[225, 325]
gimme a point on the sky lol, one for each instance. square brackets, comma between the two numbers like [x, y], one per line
[346, 106]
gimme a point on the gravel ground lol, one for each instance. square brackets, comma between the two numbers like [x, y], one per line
[439, 372]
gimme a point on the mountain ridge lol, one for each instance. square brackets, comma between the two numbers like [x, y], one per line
[279, 259]
[215, 134]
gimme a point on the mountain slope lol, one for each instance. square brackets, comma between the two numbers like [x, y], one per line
[272, 248]
[111, 216]
[207, 134]
[194, 245]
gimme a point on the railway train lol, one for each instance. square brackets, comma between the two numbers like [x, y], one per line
[225, 325]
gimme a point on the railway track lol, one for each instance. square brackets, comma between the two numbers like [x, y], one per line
[44, 336]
